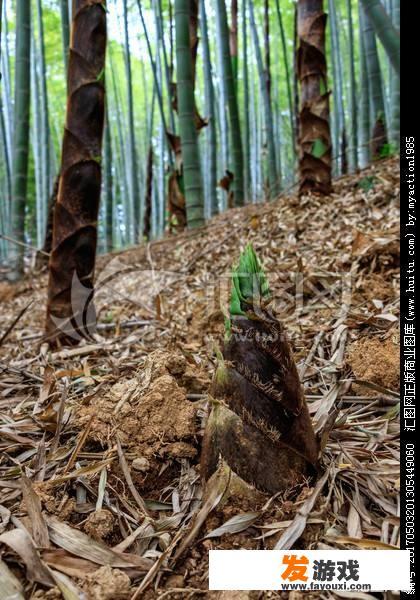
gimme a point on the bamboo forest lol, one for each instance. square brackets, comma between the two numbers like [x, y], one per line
[199, 290]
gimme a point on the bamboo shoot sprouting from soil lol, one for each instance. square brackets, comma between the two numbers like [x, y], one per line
[72, 260]
[259, 423]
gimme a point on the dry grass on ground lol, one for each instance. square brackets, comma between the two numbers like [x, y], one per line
[100, 443]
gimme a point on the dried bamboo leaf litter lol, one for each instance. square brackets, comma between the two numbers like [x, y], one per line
[332, 264]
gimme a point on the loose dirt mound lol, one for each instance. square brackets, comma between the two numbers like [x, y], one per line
[149, 413]
[376, 360]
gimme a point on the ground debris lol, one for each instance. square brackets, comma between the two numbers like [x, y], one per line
[107, 584]
[139, 390]
[376, 360]
[150, 412]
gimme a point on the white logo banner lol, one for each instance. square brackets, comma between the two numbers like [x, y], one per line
[351, 570]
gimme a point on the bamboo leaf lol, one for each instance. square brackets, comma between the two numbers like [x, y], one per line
[236, 524]
[11, 588]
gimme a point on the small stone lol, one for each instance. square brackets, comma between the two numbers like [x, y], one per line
[141, 464]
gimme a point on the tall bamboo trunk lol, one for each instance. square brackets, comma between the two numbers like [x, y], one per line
[338, 96]
[314, 132]
[7, 173]
[233, 40]
[264, 78]
[385, 30]
[6, 89]
[236, 148]
[123, 167]
[5, 204]
[1, 15]
[70, 313]
[246, 121]
[147, 222]
[186, 110]
[210, 110]
[21, 135]
[36, 140]
[132, 150]
[353, 94]
[378, 135]
[394, 128]
[65, 30]
[108, 195]
[364, 108]
[44, 111]
[167, 68]
[288, 80]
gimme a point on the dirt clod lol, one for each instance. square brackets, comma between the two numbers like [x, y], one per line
[377, 361]
[99, 524]
[150, 412]
[107, 584]
[140, 464]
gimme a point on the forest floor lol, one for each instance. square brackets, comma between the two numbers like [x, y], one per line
[96, 436]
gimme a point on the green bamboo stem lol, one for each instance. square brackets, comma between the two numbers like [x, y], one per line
[385, 30]
[353, 92]
[236, 148]
[119, 143]
[364, 112]
[108, 185]
[132, 150]
[374, 75]
[36, 139]
[161, 44]
[6, 88]
[186, 109]
[338, 96]
[394, 129]
[288, 79]
[65, 30]
[44, 111]
[211, 138]
[246, 124]
[273, 176]
[21, 135]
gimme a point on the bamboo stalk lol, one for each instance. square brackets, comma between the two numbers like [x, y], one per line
[21, 135]
[236, 147]
[186, 111]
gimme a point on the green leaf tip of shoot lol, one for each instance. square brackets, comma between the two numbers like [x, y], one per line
[249, 286]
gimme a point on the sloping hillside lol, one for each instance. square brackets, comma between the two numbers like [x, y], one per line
[108, 433]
